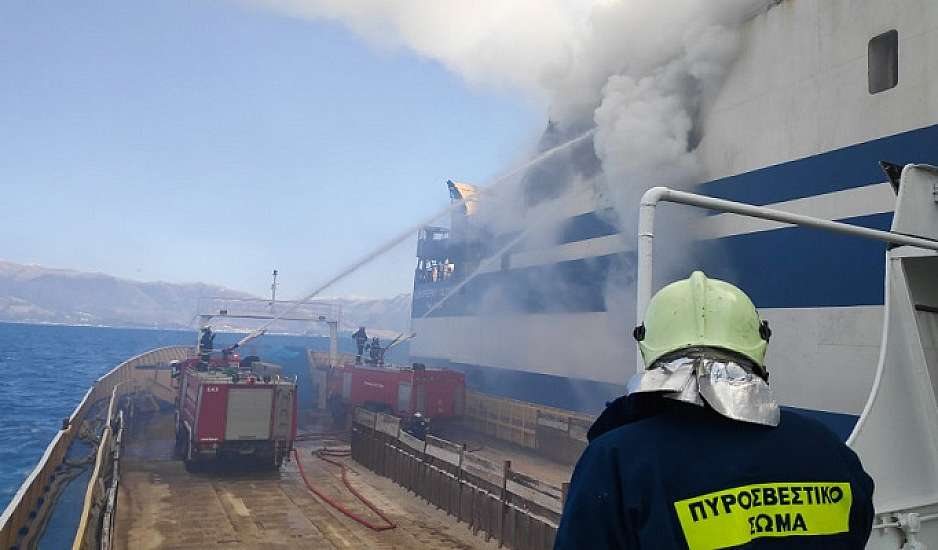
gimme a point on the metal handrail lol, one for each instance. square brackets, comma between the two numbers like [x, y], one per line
[19, 516]
[646, 233]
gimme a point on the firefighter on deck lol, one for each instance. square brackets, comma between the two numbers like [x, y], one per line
[361, 338]
[375, 352]
[698, 454]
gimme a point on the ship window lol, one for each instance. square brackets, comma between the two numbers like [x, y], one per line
[884, 61]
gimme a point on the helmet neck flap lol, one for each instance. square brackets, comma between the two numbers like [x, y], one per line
[728, 383]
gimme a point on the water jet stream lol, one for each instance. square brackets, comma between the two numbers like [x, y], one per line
[409, 232]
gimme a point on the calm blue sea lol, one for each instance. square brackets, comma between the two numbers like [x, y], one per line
[45, 370]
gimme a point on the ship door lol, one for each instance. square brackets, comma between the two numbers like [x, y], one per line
[403, 396]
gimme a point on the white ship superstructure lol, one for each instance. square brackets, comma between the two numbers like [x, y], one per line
[822, 91]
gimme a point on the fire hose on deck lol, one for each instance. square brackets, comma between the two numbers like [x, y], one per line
[311, 436]
[323, 454]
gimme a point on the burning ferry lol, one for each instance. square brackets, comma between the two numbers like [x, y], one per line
[827, 114]
[819, 95]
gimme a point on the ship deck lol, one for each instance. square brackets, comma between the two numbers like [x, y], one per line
[522, 459]
[161, 505]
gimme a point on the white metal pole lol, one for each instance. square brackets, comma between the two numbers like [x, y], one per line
[333, 343]
[273, 292]
[646, 240]
[646, 232]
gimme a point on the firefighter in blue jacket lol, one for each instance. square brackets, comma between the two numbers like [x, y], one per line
[698, 455]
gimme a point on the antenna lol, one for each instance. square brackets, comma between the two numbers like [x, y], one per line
[273, 292]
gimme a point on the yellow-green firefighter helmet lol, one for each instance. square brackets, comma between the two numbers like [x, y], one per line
[702, 312]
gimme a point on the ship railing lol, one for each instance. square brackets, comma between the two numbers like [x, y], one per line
[144, 371]
[94, 492]
[23, 519]
[110, 508]
[517, 509]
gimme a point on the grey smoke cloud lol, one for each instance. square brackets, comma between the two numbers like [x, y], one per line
[639, 72]
[648, 124]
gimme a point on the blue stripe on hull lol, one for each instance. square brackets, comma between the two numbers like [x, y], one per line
[798, 267]
[586, 226]
[837, 170]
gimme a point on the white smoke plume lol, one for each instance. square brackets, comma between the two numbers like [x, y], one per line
[639, 70]
[506, 44]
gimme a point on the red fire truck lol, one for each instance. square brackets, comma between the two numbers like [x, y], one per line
[435, 393]
[228, 408]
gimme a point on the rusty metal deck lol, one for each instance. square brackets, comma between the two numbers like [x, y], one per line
[161, 505]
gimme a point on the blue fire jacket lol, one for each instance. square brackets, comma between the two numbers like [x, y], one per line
[663, 474]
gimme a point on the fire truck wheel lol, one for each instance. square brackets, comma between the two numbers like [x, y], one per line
[179, 450]
[192, 464]
[269, 463]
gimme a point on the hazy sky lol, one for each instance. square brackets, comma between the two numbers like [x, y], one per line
[211, 141]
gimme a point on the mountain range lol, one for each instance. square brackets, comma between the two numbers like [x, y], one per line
[36, 294]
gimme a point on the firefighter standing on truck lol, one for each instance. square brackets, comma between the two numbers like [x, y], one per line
[206, 343]
[361, 338]
[698, 455]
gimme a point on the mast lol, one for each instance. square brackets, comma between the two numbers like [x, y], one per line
[273, 292]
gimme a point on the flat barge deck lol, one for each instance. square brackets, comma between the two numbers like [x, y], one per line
[161, 505]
